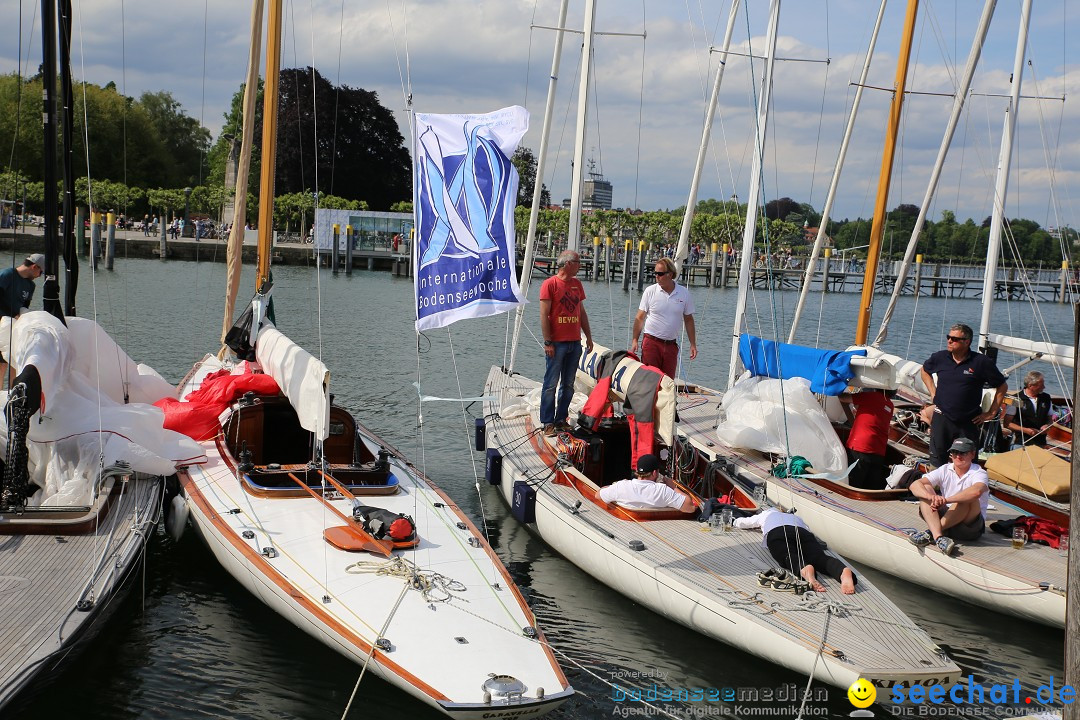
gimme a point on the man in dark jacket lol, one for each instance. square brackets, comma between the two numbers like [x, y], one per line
[1029, 416]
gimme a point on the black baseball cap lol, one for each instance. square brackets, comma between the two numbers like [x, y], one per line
[647, 463]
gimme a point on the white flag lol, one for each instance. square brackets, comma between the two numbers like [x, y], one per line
[465, 191]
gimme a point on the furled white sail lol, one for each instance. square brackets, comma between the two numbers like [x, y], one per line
[301, 376]
[96, 409]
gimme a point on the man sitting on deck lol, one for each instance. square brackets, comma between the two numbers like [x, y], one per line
[952, 499]
[646, 490]
[792, 545]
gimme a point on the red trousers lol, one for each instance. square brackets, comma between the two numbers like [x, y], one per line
[660, 354]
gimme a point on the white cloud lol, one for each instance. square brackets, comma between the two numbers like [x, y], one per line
[469, 55]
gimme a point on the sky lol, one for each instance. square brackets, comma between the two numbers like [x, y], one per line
[653, 73]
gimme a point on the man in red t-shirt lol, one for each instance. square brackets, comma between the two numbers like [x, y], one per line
[869, 437]
[562, 321]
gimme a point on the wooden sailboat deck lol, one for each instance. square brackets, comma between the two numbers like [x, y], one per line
[43, 578]
[1035, 565]
[714, 569]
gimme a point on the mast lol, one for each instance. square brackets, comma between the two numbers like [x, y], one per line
[691, 202]
[578, 178]
[269, 143]
[50, 293]
[1001, 185]
[541, 161]
[954, 119]
[71, 262]
[877, 228]
[236, 232]
[808, 273]
[750, 229]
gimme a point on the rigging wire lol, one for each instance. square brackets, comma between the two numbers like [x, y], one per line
[337, 99]
[641, 109]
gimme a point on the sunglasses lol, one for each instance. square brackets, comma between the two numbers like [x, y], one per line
[957, 453]
[661, 274]
[952, 338]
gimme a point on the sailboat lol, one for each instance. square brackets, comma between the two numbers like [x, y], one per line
[85, 450]
[711, 581]
[330, 525]
[870, 526]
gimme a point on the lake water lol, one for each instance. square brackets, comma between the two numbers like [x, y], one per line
[191, 643]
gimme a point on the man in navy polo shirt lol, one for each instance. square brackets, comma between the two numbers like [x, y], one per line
[957, 396]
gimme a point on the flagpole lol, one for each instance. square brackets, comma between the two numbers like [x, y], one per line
[541, 161]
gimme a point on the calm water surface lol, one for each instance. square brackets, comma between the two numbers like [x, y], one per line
[191, 643]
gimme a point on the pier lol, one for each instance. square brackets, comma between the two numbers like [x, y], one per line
[712, 270]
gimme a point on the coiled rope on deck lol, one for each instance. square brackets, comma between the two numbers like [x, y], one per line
[435, 587]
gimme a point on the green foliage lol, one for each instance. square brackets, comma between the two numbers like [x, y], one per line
[139, 143]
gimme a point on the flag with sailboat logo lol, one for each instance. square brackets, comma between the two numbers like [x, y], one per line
[465, 191]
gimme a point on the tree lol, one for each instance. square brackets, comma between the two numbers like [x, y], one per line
[780, 209]
[359, 152]
[183, 140]
[525, 162]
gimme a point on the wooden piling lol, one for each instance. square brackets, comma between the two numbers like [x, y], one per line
[80, 230]
[95, 238]
[641, 265]
[626, 265]
[334, 251]
[110, 244]
[1064, 280]
[918, 275]
[826, 261]
[348, 249]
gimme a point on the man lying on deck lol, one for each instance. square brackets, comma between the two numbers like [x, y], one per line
[952, 499]
[646, 490]
[792, 545]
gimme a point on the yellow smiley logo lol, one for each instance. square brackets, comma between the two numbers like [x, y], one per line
[861, 693]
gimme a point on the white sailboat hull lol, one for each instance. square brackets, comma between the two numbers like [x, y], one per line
[703, 581]
[987, 572]
[442, 648]
[893, 554]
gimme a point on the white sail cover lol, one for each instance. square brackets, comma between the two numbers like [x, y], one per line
[622, 376]
[465, 193]
[782, 417]
[882, 371]
[85, 421]
[301, 376]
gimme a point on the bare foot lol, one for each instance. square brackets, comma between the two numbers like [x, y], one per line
[847, 582]
[809, 576]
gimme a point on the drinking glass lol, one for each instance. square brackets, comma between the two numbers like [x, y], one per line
[1019, 538]
[726, 519]
[1063, 545]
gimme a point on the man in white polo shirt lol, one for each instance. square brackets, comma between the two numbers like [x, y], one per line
[664, 309]
[646, 490]
[952, 500]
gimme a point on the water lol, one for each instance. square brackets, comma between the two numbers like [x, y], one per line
[192, 643]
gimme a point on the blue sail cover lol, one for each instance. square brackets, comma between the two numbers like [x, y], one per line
[828, 371]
